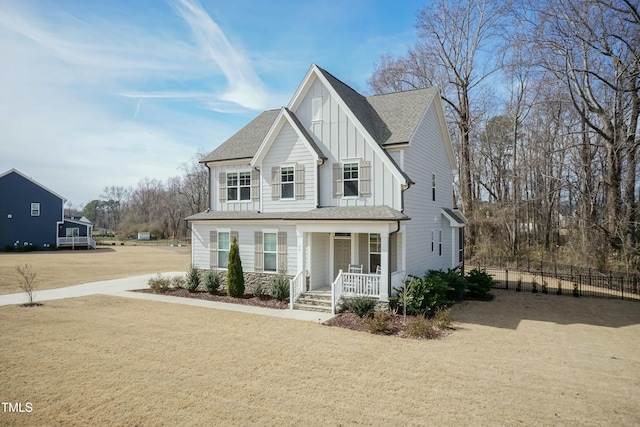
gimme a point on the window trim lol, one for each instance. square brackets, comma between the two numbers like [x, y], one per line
[344, 180]
[238, 186]
[371, 266]
[35, 209]
[292, 182]
[222, 250]
[265, 252]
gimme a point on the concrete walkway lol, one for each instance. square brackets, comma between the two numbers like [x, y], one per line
[123, 288]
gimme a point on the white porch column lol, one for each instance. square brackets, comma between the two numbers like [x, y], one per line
[384, 266]
[301, 249]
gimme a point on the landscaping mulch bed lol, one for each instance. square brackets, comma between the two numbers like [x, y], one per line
[247, 299]
[396, 325]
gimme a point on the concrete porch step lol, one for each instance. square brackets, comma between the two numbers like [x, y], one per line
[310, 307]
[313, 302]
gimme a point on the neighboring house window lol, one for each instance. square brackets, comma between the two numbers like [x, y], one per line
[350, 179]
[287, 182]
[433, 187]
[316, 108]
[375, 246]
[35, 209]
[440, 242]
[73, 232]
[224, 245]
[460, 244]
[239, 186]
[433, 243]
[270, 251]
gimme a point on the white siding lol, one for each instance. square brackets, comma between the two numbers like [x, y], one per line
[425, 156]
[289, 149]
[216, 205]
[339, 139]
[200, 242]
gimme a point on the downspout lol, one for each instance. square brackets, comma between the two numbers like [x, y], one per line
[210, 188]
[318, 182]
[389, 260]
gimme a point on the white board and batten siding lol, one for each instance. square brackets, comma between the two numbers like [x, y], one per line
[201, 250]
[289, 150]
[331, 133]
[224, 205]
[426, 155]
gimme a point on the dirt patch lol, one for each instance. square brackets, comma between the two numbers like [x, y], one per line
[247, 299]
[56, 269]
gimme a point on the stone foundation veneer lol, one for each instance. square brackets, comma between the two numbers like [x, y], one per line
[249, 279]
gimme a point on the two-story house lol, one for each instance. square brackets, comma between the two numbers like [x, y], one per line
[32, 216]
[337, 190]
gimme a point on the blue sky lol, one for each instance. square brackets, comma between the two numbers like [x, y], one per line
[94, 94]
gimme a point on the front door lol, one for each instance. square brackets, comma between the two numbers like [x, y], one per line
[341, 255]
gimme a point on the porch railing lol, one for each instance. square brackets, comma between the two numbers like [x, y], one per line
[354, 284]
[76, 241]
[296, 287]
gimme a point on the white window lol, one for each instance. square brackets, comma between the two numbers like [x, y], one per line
[316, 108]
[440, 242]
[239, 186]
[224, 245]
[375, 247]
[350, 179]
[433, 187]
[35, 209]
[270, 251]
[72, 232]
[433, 243]
[287, 182]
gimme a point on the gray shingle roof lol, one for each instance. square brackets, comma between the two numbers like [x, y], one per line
[308, 137]
[344, 213]
[244, 143]
[456, 219]
[389, 119]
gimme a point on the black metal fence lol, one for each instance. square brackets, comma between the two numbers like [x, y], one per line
[522, 275]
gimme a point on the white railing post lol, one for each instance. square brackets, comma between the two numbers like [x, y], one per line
[291, 293]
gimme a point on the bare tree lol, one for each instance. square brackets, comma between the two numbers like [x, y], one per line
[27, 281]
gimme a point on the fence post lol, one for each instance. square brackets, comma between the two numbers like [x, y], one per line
[506, 278]
[635, 283]
[610, 280]
[621, 288]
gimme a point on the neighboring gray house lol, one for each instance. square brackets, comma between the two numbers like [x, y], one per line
[333, 182]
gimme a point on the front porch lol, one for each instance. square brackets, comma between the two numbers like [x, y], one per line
[361, 260]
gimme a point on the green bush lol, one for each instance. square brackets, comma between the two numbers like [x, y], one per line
[235, 275]
[193, 279]
[421, 327]
[479, 283]
[279, 287]
[534, 287]
[559, 290]
[519, 286]
[379, 323]
[423, 294]
[576, 290]
[361, 306]
[159, 284]
[545, 287]
[211, 281]
[456, 281]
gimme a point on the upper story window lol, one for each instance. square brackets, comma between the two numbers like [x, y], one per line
[350, 179]
[316, 108]
[439, 242]
[433, 187]
[238, 186]
[35, 209]
[287, 182]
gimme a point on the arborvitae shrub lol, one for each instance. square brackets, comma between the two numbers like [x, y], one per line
[211, 281]
[193, 279]
[235, 275]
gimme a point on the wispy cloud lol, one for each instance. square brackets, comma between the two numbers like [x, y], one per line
[245, 88]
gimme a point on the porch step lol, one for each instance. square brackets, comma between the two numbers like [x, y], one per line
[313, 302]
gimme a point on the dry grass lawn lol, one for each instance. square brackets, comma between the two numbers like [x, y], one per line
[522, 359]
[64, 268]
